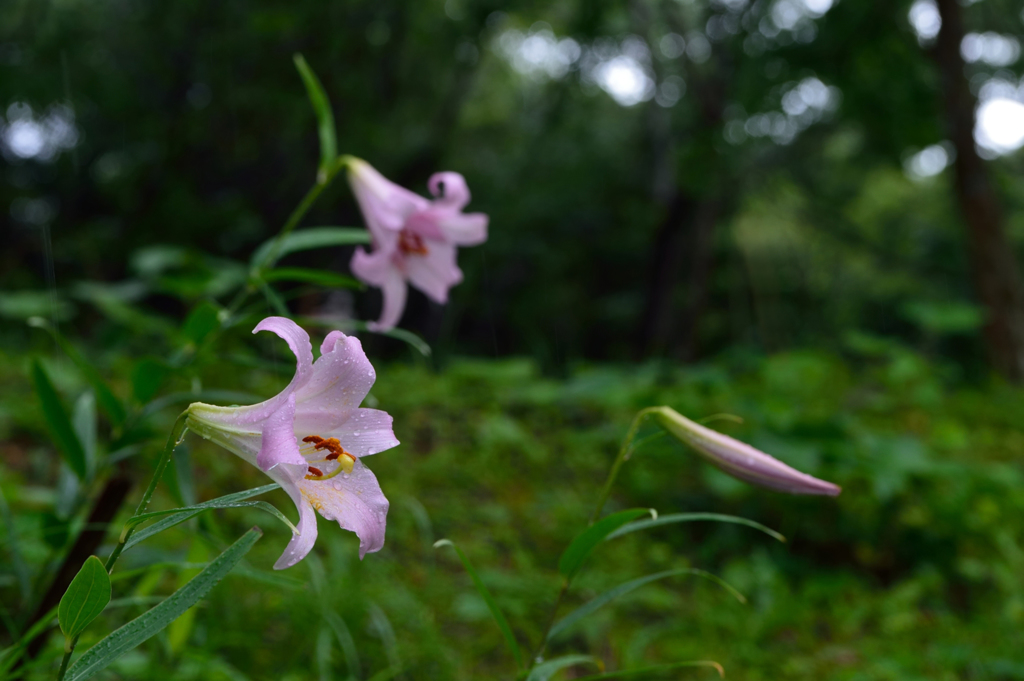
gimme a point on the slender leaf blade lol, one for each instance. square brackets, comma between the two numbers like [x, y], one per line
[150, 623]
[690, 517]
[308, 239]
[545, 670]
[324, 114]
[58, 421]
[600, 601]
[308, 275]
[177, 516]
[655, 669]
[86, 597]
[580, 548]
[492, 605]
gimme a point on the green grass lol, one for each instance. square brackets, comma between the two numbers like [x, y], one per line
[914, 572]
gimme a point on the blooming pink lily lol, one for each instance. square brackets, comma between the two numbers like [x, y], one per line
[311, 438]
[414, 238]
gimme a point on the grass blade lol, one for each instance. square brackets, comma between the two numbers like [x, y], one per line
[622, 589]
[308, 275]
[690, 517]
[58, 421]
[545, 670]
[645, 671]
[150, 623]
[580, 548]
[499, 616]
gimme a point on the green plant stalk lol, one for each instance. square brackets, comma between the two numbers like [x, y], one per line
[624, 452]
[173, 440]
[307, 202]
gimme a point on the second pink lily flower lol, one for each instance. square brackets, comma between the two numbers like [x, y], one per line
[414, 238]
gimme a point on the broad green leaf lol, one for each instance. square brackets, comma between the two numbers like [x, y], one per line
[150, 623]
[574, 557]
[545, 670]
[307, 275]
[690, 517]
[180, 515]
[593, 605]
[308, 239]
[492, 605]
[57, 419]
[201, 321]
[656, 669]
[86, 597]
[324, 116]
[110, 405]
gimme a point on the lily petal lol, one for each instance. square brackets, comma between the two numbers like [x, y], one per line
[366, 432]
[355, 501]
[302, 542]
[435, 272]
[298, 341]
[450, 189]
[278, 444]
[385, 204]
[342, 378]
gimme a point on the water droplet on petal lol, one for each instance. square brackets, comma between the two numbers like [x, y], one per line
[337, 484]
[345, 476]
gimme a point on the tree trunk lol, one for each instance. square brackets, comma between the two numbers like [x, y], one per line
[996, 277]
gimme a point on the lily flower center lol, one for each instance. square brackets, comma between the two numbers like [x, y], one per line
[315, 446]
[411, 243]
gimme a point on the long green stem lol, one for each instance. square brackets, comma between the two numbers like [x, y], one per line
[173, 440]
[307, 202]
[624, 452]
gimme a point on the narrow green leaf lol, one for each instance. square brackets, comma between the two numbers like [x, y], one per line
[147, 377]
[574, 557]
[274, 300]
[201, 321]
[690, 517]
[146, 625]
[86, 597]
[58, 421]
[496, 612]
[229, 397]
[324, 115]
[110, 405]
[545, 670]
[593, 605]
[180, 515]
[308, 239]
[307, 275]
[262, 505]
[655, 669]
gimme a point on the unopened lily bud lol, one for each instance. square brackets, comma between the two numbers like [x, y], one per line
[740, 460]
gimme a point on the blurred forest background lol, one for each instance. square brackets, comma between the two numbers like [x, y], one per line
[809, 213]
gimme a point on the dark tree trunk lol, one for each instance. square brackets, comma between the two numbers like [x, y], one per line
[996, 277]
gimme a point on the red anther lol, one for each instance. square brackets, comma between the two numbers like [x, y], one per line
[316, 471]
[411, 243]
[313, 438]
[332, 456]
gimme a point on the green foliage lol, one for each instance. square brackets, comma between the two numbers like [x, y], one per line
[101, 655]
[324, 115]
[585, 542]
[85, 598]
[58, 422]
[306, 240]
[499, 616]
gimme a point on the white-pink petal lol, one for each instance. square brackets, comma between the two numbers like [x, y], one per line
[435, 272]
[355, 501]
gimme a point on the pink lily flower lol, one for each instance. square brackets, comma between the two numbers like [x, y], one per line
[739, 459]
[311, 438]
[414, 238]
